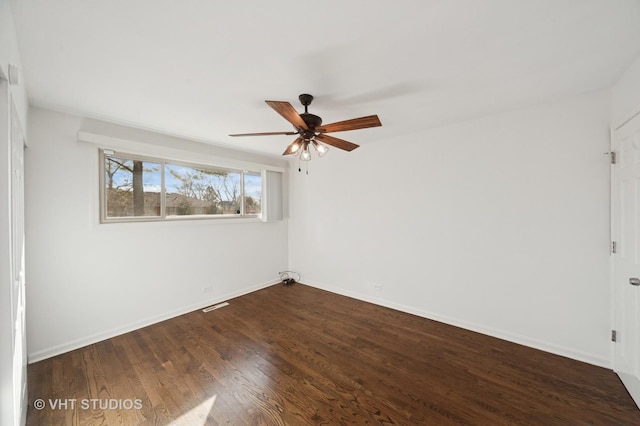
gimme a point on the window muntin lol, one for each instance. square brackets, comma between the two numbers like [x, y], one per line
[137, 188]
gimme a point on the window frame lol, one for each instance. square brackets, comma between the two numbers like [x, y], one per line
[163, 217]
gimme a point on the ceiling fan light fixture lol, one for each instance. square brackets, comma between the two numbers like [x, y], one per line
[295, 147]
[321, 149]
[305, 154]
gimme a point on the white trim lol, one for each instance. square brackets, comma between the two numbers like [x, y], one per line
[632, 383]
[511, 337]
[612, 287]
[98, 337]
[166, 153]
[500, 334]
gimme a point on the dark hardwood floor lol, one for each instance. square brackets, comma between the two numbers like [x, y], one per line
[298, 355]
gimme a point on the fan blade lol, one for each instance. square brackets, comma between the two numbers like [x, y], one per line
[289, 113]
[264, 134]
[353, 124]
[290, 149]
[338, 143]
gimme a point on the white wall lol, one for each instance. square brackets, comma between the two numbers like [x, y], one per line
[499, 225]
[89, 281]
[625, 95]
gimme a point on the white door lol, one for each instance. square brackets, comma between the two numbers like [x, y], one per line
[17, 265]
[626, 261]
[13, 378]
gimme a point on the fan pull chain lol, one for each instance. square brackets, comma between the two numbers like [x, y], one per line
[306, 166]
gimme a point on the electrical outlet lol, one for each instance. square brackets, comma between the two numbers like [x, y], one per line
[377, 287]
[207, 289]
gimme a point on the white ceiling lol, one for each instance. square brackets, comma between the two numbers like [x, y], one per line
[202, 69]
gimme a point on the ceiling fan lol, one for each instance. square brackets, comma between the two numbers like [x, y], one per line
[310, 130]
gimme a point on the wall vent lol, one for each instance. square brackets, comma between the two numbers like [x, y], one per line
[214, 307]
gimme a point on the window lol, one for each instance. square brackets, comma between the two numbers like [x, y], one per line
[140, 188]
[131, 187]
[252, 192]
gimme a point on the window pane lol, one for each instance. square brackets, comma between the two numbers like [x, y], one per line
[132, 187]
[199, 191]
[252, 193]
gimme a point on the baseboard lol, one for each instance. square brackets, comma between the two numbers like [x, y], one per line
[478, 328]
[632, 383]
[500, 334]
[98, 337]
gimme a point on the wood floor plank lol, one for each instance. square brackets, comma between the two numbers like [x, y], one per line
[296, 355]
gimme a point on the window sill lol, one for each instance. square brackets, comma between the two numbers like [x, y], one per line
[182, 219]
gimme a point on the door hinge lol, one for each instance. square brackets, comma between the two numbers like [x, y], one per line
[612, 155]
[614, 336]
[614, 247]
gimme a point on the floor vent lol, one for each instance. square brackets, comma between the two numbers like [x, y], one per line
[214, 307]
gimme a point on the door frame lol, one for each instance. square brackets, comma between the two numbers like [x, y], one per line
[630, 381]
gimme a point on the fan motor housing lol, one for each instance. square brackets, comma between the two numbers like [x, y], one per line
[311, 120]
